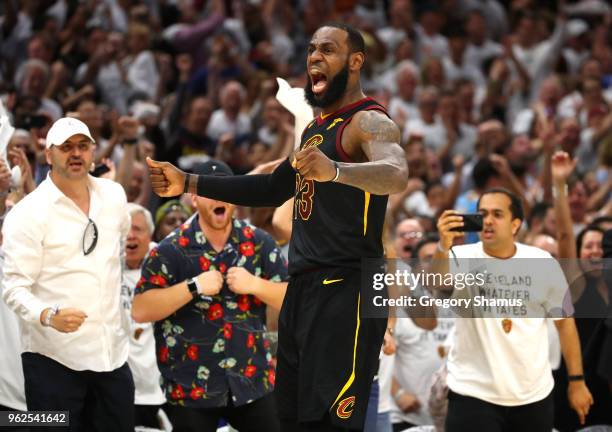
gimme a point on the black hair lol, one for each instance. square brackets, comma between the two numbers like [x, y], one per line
[524, 14]
[601, 220]
[460, 82]
[573, 180]
[429, 238]
[477, 11]
[583, 233]
[447, 93]
[430, 185]
[538, 211]
[482, 172]
[92, 28]
[516, 207]
[355, 39]
[455, 29]
[188, 104]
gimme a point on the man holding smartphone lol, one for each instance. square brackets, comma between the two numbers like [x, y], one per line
[499, 375]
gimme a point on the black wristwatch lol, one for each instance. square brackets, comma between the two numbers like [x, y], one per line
[571, 378]
[192, 287]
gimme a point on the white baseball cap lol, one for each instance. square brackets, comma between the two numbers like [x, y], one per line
[64, 128]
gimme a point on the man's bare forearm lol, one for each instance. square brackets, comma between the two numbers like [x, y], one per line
[271, 293]
[159, 303]
[378, 178]
[570, 345]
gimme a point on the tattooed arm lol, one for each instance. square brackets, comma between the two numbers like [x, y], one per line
[372, 141]
[374, 138]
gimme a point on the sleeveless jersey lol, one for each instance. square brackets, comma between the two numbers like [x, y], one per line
[334, 225]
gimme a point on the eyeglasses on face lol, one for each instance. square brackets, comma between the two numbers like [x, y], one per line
[410, 235]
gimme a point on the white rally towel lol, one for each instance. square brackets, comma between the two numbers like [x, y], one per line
[292, 98]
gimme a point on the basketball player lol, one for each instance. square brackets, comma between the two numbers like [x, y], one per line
[348, 162]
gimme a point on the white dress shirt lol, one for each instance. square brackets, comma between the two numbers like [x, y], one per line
[45, 265]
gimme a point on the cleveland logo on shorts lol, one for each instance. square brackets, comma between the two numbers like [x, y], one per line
[345, 407]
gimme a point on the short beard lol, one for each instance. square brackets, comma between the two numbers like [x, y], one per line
[336, 88]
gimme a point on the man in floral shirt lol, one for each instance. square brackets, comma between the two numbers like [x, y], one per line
[209, 330]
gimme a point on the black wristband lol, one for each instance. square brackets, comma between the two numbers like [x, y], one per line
[130, 141]
[186, 185]
[571, 378]
[192, 287]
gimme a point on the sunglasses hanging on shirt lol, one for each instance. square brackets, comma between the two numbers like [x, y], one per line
[90, 237]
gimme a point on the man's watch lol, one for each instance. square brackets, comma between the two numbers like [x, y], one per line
[571, 378]
[47, 320]
[398, 394]
[192, 286]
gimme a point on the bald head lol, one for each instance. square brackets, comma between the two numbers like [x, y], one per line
[232, 96]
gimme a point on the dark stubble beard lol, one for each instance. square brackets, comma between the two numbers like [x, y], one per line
[336, 88]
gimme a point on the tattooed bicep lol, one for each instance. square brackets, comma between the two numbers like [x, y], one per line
[378, 128]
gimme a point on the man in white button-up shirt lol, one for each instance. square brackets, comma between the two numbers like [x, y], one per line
[63, 245]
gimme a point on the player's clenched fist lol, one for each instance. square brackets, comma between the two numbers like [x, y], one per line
[447, 221]
[312, 164]
[166, 179]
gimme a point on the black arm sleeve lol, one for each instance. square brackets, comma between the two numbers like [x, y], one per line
[261, 190]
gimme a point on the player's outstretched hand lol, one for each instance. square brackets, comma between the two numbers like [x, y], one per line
[312, 164]
[166, 179]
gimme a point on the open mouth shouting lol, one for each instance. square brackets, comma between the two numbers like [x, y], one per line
[318, 80]
[219, 214]
[131, 247]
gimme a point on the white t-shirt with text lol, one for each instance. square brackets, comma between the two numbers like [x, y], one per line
[488, 362]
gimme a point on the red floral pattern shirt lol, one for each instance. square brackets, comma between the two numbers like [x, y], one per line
[209, 350]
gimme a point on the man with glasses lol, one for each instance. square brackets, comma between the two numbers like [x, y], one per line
[408, 233]
[63, 246]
